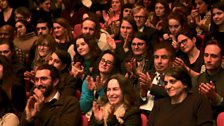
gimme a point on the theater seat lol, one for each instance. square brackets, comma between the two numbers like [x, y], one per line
[220, 119]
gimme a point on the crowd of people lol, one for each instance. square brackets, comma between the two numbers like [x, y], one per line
[126, 58]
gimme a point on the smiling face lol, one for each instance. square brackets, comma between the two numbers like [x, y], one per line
[106, 63]
[218, 16]
[82, 47]
[43, 49]
[114, 93]
[44, 82]
[138, 47]
[58, 30]
[175, 88]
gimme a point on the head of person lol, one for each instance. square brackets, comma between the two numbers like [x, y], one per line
[7, 32]
[126, 10]
[116, 5]
[128, 27]
[217, 16]
[7, 48]
[140, 15]
[161, 8]
[177, 83]
[23, 27]
[47, 79]
[119, 90]
[91, 26]
[107, 64]
[213, 56]
[176, 22]
[43, 27]
[5, 4]
[45, 46]
[86, 47]
[164, 55]
[61, 60]
[139, 44]
[62, 28]
[45, 5]
[22, 13]
[202, 6]
[187, 39]
[147, 3]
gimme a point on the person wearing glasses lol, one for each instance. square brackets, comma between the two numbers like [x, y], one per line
[192, 59]
[93, 85]
[182, 107]
[138, 59]
[140, 16]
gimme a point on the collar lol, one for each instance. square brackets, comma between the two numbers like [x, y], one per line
[56, 96]
[141, 29]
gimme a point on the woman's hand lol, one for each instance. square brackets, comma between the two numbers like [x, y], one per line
[77, 70]
[111, 42]
[97, 111]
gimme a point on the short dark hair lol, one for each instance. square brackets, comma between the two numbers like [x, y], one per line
[217, 43]
[180, 73]
[54, 71]
[9, 42]
[49, 23]
[167, 46]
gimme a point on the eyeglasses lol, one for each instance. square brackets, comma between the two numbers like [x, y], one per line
[183, 41]
[4, 52]
[139, 17]
[106, 61]
[137, 44]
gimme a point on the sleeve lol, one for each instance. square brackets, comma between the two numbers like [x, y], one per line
[10, 119]
[70, 114]
[69, 85]
[158, 91]
[153, 115]
[93, 121]
[133, 119]
[86, 98]
[203, 112]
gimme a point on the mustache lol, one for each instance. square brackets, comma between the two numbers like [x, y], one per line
[40, 86]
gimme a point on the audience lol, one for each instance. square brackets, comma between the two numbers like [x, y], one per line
[138, 36]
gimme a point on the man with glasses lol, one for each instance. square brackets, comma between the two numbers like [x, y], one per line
[46, 106]
[140, 16]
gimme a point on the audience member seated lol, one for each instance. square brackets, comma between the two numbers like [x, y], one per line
[6, 15]
[119, 107]
[182, 107]
[44, 27]
[152, 82]
[22, 13]
[8, 115]
[94, 84]
[210, 82]
[12, 85]
[192, 59]
[46, 106]
[87, 54]
[62, 61]
[25, 38]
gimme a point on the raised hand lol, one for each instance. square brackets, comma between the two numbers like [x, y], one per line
[145, 83]
[97, 111]
[111, 42]
[77, 70]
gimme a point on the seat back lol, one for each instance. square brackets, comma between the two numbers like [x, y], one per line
[144, 120]
[220, 119]
[84, 121]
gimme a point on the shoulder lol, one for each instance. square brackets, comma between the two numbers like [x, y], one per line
[10, 119]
